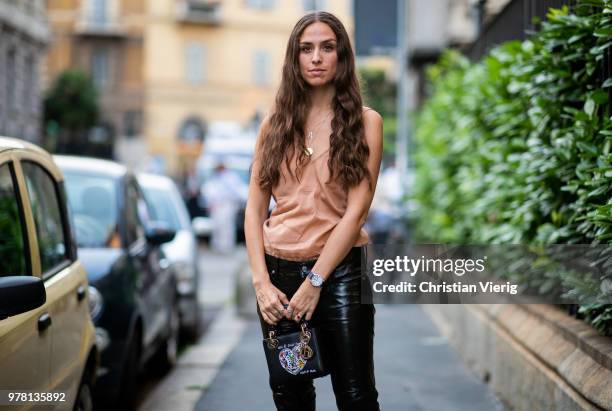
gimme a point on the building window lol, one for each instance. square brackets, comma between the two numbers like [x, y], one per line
[132, 121]
[99, 12]
[261, 67]
[11, 79]
[260, 4]
[312, 5]
[195, 55]
[99, 68]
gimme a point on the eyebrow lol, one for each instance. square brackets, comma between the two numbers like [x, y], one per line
[324, 41]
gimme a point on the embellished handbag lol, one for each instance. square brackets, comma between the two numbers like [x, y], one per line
[293, 356]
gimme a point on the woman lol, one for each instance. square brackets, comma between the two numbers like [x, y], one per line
[318, 153]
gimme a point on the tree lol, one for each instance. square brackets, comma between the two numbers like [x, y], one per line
[70, 110]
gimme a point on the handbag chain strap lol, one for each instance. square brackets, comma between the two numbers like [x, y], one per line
[305, 351]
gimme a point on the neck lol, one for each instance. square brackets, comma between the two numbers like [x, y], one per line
[321, 98]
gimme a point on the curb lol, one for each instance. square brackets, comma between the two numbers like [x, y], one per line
[197, 367]
[246, 302]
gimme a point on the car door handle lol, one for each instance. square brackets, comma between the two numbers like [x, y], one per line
[81, 292]
[44, 322]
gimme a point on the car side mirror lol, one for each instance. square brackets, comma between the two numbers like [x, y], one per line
[19, 294]
[158, 232]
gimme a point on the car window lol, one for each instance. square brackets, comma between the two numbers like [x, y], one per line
[93, 201]
[13, 253]
[162, 207]
[46, 209]
[136, 213]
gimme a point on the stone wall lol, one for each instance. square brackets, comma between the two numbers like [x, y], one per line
[535, 357]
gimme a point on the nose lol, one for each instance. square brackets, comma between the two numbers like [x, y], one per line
[316, 56]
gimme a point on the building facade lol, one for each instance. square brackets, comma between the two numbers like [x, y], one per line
[167, 69]
[23, 37]
[103, 38]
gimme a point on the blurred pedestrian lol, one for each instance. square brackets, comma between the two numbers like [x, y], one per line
[224, 192]
[191, 191]
[318, 153]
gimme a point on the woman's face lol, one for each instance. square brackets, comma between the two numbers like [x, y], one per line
[318, 57]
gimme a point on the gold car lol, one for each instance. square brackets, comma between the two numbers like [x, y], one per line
[47, 339]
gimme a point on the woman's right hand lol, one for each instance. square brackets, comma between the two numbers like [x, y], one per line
[270, 300]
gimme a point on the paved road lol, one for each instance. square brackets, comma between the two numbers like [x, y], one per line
[415, 369]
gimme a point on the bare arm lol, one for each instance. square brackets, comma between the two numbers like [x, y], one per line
[269, 298]
[346, 232]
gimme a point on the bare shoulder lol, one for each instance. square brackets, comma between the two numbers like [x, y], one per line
[371, 117]
[373, 130]
[372, 121]
[264, 127]
[265, 123]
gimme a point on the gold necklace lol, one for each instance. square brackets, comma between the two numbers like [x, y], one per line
[311, 135]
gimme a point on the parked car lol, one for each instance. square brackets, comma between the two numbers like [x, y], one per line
[133, 286]
[167, 205]
[47, 339]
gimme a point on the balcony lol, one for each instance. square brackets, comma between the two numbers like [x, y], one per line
[99, 22]
[207, 12]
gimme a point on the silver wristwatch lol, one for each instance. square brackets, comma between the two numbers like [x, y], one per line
[315, 279]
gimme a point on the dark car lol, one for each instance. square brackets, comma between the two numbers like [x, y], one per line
[133, 289]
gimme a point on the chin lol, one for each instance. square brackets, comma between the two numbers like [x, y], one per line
[319, 82]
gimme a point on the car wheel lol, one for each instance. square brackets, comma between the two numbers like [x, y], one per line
[84, 401]
[191, 332]
[167, 354]
[129, 377]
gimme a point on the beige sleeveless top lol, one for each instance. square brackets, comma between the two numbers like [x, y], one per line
[306, 211]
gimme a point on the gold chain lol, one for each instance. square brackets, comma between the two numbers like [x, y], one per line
[311, 134]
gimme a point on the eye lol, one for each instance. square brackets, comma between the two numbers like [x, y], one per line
[306, 49]
[328, 47]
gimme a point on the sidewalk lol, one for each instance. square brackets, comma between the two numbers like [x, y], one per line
[415, 369]
[199, 363]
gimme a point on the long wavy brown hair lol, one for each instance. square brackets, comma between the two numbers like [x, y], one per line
[348, 152]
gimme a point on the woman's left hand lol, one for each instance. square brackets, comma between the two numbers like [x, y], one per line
[303, 302]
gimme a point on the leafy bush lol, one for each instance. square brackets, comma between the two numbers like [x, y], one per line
[516, 148]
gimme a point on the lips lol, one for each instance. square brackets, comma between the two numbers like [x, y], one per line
[316, 73]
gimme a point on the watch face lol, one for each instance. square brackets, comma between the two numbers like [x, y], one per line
[316, 279]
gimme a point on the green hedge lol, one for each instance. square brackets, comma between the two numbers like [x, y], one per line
[516, 148]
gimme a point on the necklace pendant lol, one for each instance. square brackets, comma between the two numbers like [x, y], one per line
[309, 151]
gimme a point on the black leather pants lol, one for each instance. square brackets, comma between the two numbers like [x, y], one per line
[346, 334]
